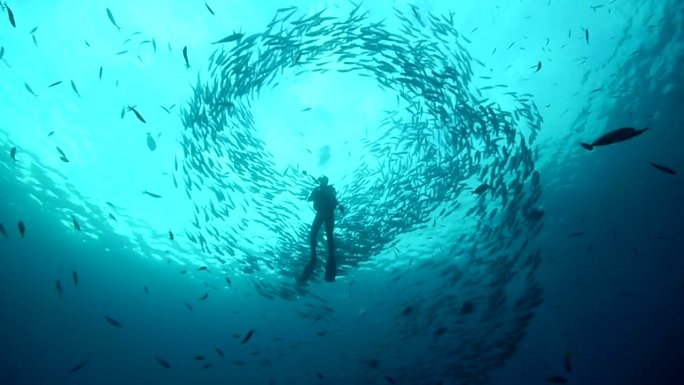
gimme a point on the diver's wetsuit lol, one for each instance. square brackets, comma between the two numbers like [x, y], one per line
[325, 202]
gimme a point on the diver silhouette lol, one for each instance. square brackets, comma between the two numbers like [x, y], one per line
[325, 202]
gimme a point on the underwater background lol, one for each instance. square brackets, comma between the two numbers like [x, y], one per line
[157, 157]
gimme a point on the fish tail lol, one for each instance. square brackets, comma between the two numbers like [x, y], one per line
[587, 146]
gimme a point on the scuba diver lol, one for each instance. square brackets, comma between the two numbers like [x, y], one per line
[325, 202]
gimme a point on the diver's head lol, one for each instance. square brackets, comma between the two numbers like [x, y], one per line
[323, 180]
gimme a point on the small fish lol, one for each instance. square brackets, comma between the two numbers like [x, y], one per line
[13, 153]
[11, 16]
[188, 306]
[319, 375]
[207, 365]
[137, 114]
[2, 52]
[586, 34]
[154, 45]
[568, 364]
[185, 56]
[113, 322]
[86, 43]
[3, 231]
[22, 228]
[203, 268]
[33, 30]
[205, 296]
[557, 379]
[538, 66]
[35, 42]
[111, 18]
[441, 330]
[209, 8]
[78, 367]
[51, 133]
[151, 144]
[247, 337]
[467, 307]
[577, 234]
[74, 276]
[481, 188]
[664, 169]
[199, 357]
[162, 362]
[76, 225]
[147, 290]
[229, 38]
[58, 286]
[171, 235]
[73, 87]
[228, 282]
[28, 88]
[219, 352]
[615, 136]
[122, 52]
[153, 195]
[100, 73]
[306, 109]
[113, 217]
[63, 156]
[390, 380]
[55, 84]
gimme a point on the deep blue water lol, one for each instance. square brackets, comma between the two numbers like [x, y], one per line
[480, 243]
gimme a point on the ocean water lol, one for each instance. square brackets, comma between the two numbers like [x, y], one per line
[156, 160]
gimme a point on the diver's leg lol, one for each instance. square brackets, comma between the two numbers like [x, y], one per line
[331, 265]
[313, 236]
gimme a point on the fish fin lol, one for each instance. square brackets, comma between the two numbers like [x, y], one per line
[587, 146]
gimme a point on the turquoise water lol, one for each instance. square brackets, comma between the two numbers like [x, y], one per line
[161, 177]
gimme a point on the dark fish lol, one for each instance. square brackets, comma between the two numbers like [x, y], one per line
[22, 228]
[51, 133]
[11, 16]
[113, 322]
[55, 84]
[76, 225]
[219, 351]
[239, 363]
[147, 290]
[137, 114]
[209, 8]
[247, 337]
[319, 375]
[28, 88]
[151, 144]
[86, 43]
[113, 217]
[568, 364]
[2, 52]
[100, 72]
[229, 38]
[481, 188]
[586, 34]
[122, 52]
[73, 87]
[188, 306]
[207, 365]
[408, 310]
[577, 234]
[616, 136]
[78, 367]
[440, 331]
[228, 282]
[3, 231]
[664, 169]
[202, 268]
[171, 235]
[538, 66]
[13, 153]
[162, 362]
[467, 307]
[153, 195]
[205, 296]
[390, 380]
[58, 286]
[557, 380]
[63, 155]
[74, 276]
[111, 18]
[199, 357]
[185, 56]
